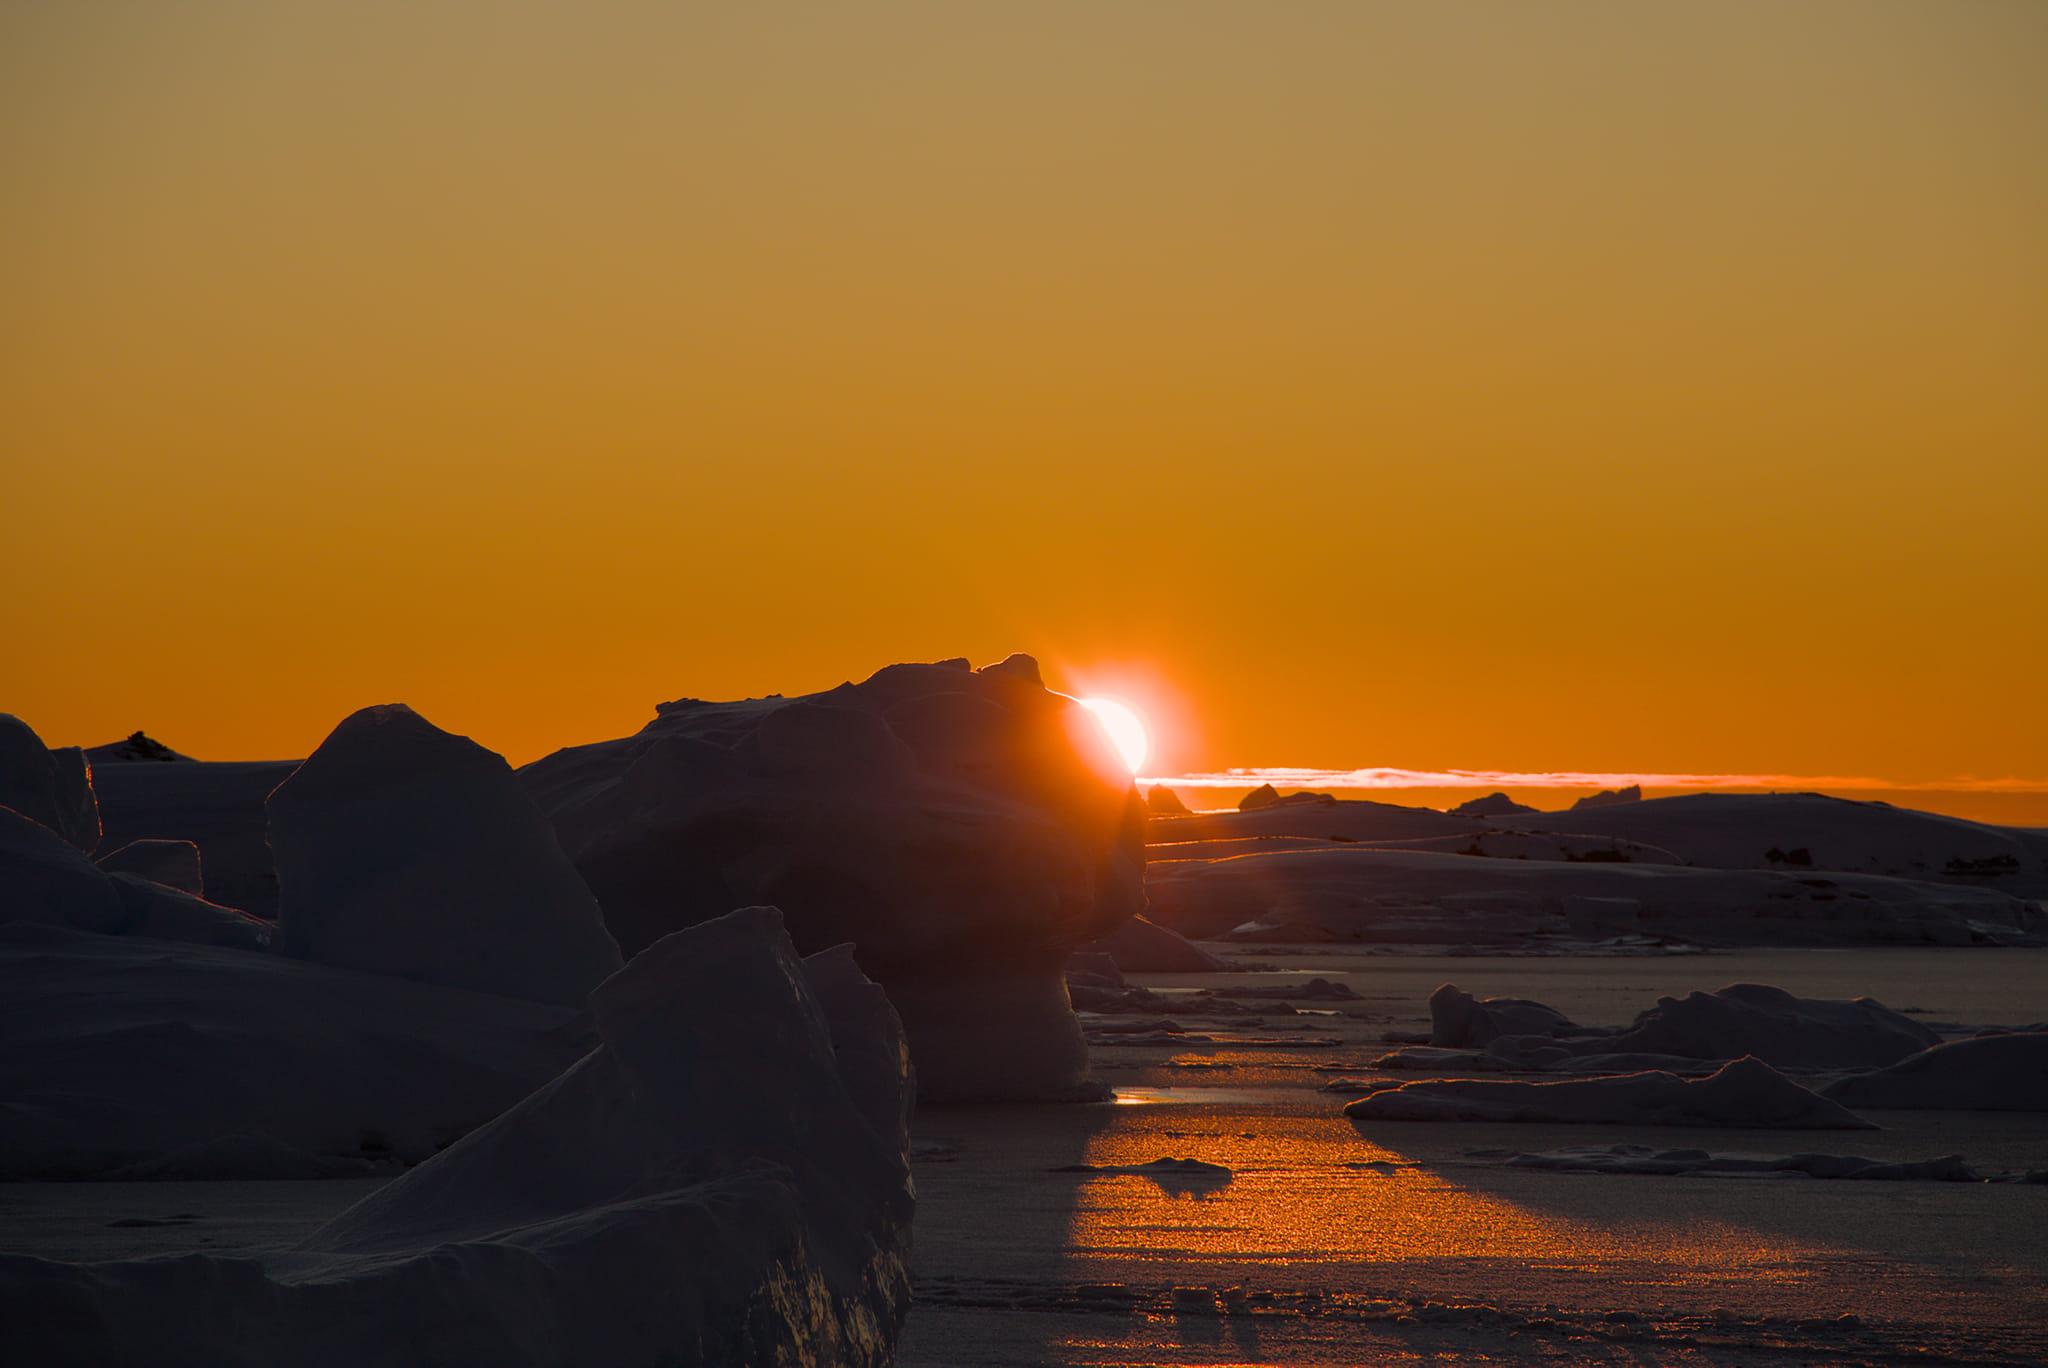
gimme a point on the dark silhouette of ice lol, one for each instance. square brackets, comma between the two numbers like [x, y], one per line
[723, 1180]
[120, 1050]
[2004, 1072]
[405, 850]
[964, 829]
[53, 787]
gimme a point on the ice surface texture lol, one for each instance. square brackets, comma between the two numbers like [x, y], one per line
[118, 1051]
[721, 1182]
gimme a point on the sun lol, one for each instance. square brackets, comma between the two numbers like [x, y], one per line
[1124, 728]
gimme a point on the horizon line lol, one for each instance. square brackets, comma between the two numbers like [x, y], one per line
[1383, 777]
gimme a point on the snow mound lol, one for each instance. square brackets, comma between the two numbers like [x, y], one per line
[118, 1051]
[1776, 1027]
[703, 1188]
[1143, 947]
[1745, 1093]
[405, 850]
[158, 912]
[1989, 1073]
[1460, 1021]
[44, 878]
[964, 829]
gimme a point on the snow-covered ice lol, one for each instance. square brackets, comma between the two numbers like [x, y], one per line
[50, 786]
[964, 829]
[2007, 1071]
[702, 1189]
[122, 1050]
[405, 850]
[1355, 893]
[1141, 946]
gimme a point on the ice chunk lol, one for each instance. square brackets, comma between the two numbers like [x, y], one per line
[174, 864]
[1988, 1073]
[1773, 1025]
[1460, 1021]
[1140, 946]
[405, 850]
[44, 878]
[53, 787]
[965, 830]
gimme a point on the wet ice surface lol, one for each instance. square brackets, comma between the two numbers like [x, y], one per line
[1331, 1243]
[1332, 1235]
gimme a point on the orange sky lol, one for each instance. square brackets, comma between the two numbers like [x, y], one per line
[1589, 386]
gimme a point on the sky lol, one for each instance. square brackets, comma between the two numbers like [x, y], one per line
[1591, 387]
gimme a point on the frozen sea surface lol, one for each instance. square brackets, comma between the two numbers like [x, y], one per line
[1328, 1244]
[1393, 1243]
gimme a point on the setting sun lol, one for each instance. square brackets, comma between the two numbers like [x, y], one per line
[1124, 728]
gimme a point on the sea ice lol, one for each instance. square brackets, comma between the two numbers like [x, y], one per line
[1356, 893]
[1642, 1159]
[1742, 1093]
[119, 1050]
[44, 878]
[1812, 831]
[1141, 946]
[1776, 1027]
[216, 805]
[2006, 1072]
[175, 864]
[1460, 1021]
[702, 1189]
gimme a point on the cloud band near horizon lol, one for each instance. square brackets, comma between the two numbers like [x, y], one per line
[1389, 778]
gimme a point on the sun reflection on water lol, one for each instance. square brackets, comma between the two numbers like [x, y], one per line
[1296, 1200]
